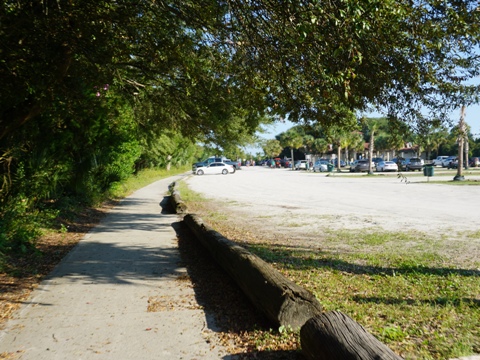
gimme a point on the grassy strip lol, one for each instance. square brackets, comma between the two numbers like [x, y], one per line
[409, 301]
[142, 179]
[438, 172]
[422, 305]
[465, 182]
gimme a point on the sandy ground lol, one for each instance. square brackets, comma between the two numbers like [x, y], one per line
[303, 204]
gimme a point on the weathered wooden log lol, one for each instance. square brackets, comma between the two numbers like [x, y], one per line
[335, 336]
[176, 201]
[172, 186]
[281, 300]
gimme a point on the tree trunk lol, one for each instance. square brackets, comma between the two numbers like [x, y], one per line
[338, 158]
[281, 300]
[370, 153]
[461, 138]
[466, 148]
[293, 163]
[335, 336]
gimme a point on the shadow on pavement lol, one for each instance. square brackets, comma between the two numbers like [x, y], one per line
[225, 304]
[111, 262]
[107, 263]
[166, 206]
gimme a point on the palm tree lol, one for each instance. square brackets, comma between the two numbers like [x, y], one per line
[461, 140]
[429, 137]
[439, 138]
[319, 146]
[339, 137]
[372, 125]
[272, 147]
[292, 140]
[355, 143]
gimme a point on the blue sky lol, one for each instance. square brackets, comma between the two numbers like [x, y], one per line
[472, 118]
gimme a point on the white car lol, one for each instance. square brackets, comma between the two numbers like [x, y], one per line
[387, 166]
[321, 165]
[439, 160]
[448, 160]
[301, 165]
[216, 168]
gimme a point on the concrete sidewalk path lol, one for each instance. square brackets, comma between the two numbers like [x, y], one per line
[120, 293]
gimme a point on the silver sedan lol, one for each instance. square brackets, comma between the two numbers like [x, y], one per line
[387, 166]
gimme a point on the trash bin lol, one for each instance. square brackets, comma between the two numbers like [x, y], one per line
[428, 170]
[330, 167]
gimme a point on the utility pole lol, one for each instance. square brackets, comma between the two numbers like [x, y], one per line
[461, 139]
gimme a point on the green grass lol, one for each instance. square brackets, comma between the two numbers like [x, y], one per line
[142, 179]
[472, 234]
[411, 303]
[406, 175]
[188, 195]
[401, 286]
[294, 225]
[465, 182]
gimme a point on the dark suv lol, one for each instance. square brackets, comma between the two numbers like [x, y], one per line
[414, 164]
[206, 162]
[400, 161]
[359, 166]
[376, 160]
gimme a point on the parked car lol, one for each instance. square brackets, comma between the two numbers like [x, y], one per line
[352, 165]
[286, 163]
[439, 160]
[447, 161]
[301, 165]
[321, 165]
[474, 162]
[360, 166]
[453, 164]
[414, 164]
[386, 166]
[215, 168]
[376, 160]
[342, 163]
[278, 162]
[206, 162]
[400, 161]
[237, 165]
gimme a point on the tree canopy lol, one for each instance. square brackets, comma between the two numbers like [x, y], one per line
[94, 90]
[199, 66]
[402, 57]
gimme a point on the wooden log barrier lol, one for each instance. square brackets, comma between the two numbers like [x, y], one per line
[178, 205]
[281, 300]
[176, 201]
[335, 336]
